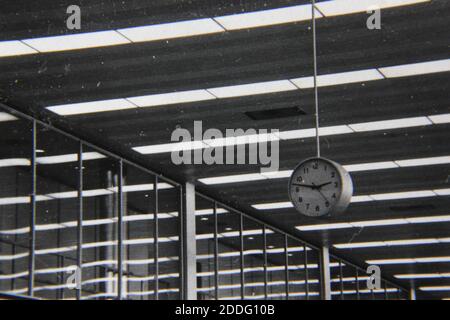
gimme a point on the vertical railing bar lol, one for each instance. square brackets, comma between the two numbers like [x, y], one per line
[266, 293]
[305, 255]
[241, 238]
[386, 295]
[341, 278]
[357, 284]
[120, 233]
[32, 235]
[156, 237]
[181, 243]
[80, 220]
[286, 266]
[216, 254]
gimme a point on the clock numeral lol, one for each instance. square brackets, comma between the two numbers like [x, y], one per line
[325, 167]
[305, 170]
[299, 179]
[317, 208]
[333, 174]
[327, 204]
[316, 165]
[300, 199]
[307, 206]
[334, 195]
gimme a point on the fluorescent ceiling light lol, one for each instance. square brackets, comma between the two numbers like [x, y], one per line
[435, 288]
[327, 226]
[311, 132]
[170, 147]
[77, 41]
[410, 260]
[356, 199]
[415, 69]
[392, 243]
[171, 98]
[297, 134]
[422, 275]
[267, 17]
[403, 195]
[370, 166]
[341, 7]
[372, 197]
[6, 116]
[232, 179]
[423, 161]
[242, 139]
[442, 192]
[65, 158]
[375, 223]
[277, 174]
[171, 30]
[91, 107]
[350, 168]
[275, 205]
[253, 89]
[440, 118]
[240, 90]
[14, 162]
[338, 78]
[15, 48]
[390, 124]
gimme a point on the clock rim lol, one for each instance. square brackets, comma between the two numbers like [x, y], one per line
[339, 206]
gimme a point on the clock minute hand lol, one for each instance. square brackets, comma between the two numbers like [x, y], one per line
[303, 185]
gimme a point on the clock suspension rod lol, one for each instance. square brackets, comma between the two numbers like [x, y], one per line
[316, 94]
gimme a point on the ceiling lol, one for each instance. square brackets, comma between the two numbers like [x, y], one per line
[409, 34]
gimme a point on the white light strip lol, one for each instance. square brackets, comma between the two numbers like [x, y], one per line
[267, 17]
[91, 107]
[191, 28]
[422, 275]
[15, 48]
[375, 223]
[3, 115]
[440, 118]
[350, 168]
[415, 69]
[14, 162]
[367, 198]
[180, 97]
[390, 124]
[233, 178]
[286, 135]
[77, 41]
[409, 260]
[85, 193]
[171, 98]
[170, 147]
[391, 243]
[171, 30]
[435, 288]
[253, 89]
[338, 78]
[342, 7]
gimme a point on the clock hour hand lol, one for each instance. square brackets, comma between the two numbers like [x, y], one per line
[323, 185]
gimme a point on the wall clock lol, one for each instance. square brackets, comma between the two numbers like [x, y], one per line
[320, 187]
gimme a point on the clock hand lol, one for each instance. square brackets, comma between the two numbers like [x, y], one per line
[304, 185]
[323, 185]
[323, 196]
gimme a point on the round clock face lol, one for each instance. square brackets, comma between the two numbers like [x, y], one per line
[320, 187]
